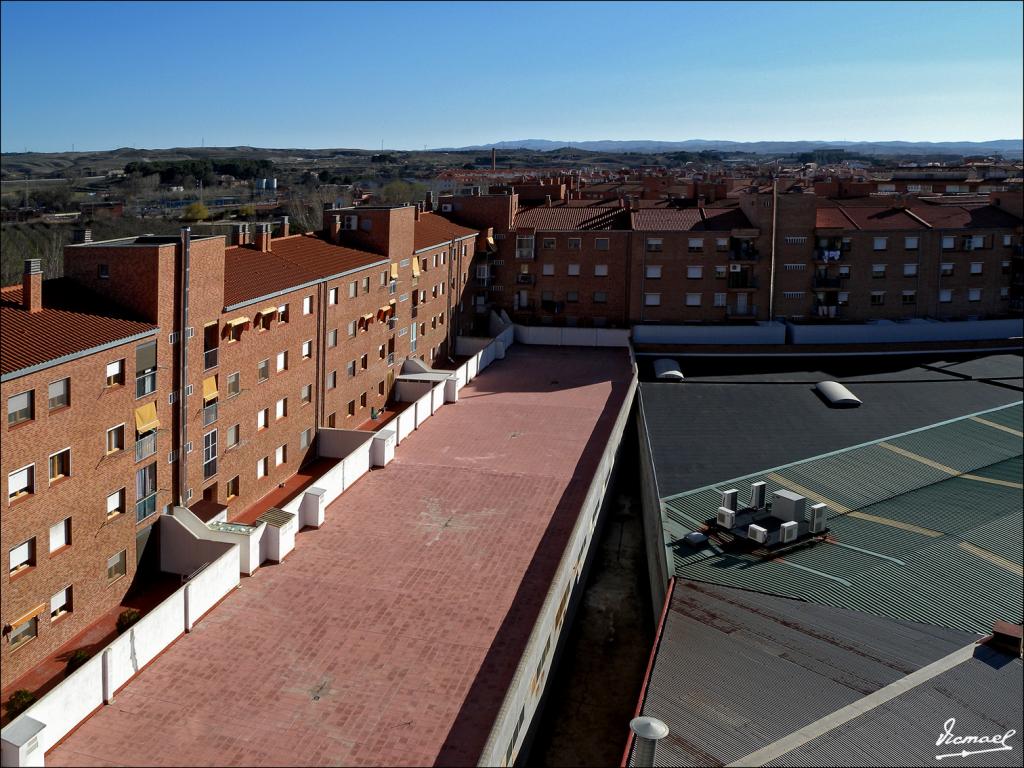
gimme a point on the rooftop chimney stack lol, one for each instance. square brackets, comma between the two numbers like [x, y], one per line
[81, 236]
[549, 200]
[32, 286]
[262, 239]
[334, 227]
[238, 234]
[649, 731]
[494, 159]
[285, 226]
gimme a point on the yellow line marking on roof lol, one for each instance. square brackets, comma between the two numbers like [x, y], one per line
[895, 524]
[921, 459]
[796, 488]
[992, 424]
[992, 480]
[984, 554]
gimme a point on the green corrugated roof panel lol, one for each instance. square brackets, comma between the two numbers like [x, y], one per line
[1003, 536]
[963, 445]
[1009, 471]
[1012, 417]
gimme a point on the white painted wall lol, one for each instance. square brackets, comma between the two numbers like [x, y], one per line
[212, 583]
[422, 407]
[571, 337]
[181, 550]
[406, 423]
[339, 443]
[436, 397]
[138, 646]
[762, 333]
[411, 391]
[249, 544]
[886, 331]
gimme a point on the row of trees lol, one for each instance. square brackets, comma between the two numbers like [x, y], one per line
[176, 171]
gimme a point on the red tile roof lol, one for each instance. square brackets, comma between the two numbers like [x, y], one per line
[690, 219]
[966, 217]
[832, 218]
[866, 218]
[72, 320]
[293, 261]
[571, 218]
[432, 230]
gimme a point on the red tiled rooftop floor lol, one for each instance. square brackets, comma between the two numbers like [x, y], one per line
[388, 636]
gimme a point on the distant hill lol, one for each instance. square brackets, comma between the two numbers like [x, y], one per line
[1005, 147]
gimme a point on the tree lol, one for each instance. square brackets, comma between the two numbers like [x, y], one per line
[196, 212]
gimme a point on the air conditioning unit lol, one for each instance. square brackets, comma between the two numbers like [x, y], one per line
[757, 494]
[819, 513]
[735, 268]
[757, 533]
[788, 532]
[730, 498]
[726, 517]
[350, 223]
[446, 207]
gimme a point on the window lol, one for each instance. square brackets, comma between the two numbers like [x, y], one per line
[977, 241]
[380, 386]
[23, 556]
[654, 244]
[695, 245]
[282, 361]
[20, 407]
[720, 271]
[601, 243]
[946, 269]
[653, 272]
[261, 419]
[145, 369]
[721, 244]
[877, 298]
[351, 407]
[307, 393]
[60, 465]
[60, 394]
[307, 349]
[600, 297]
[600, 270]
[233, 435]
[21, 482]
[282, 408]
[844, 271]
[332, 339]
[694, 273]
[976, 267]
[720, 299]
[1004, 292]
[263, 370]
[974, 294]
[1007, 239]
[115, 503]
[945, 296]
[366, 284]
[547, 269]
[332, 378]
[574, 270]
[881, 243]
[234, 383]
[353, 289]
[384, 274]
[280, 455]
[364, 362]
[60, 603]
[351, 368]
[352, 329]
[382, 350]
[262, 466]
[908, 297]
[305, 438]
[145, 491]
[878, 270]
[910, 243]
[575, 242]
[652, 299]
[910, 270]
[232, 488]
[282, 314]
[948, 242]
[307, 305]
[23, 632]
[843, 299]
[115, 439]
[117, 566]
[362, 400]
[548, 243]
[332, 297]
[1004, 267]
[572, 296]
[115, 373]
[547, 295]
[693, 299]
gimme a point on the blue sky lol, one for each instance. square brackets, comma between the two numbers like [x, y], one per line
[105, 75]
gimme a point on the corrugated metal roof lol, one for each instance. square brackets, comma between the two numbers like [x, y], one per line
[897, 529]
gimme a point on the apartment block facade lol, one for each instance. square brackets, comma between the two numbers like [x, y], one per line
[195, 371]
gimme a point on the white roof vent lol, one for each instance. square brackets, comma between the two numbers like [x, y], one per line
[667, 369]
[837, 395]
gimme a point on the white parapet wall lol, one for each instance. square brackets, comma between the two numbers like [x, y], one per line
[916, 330]
[247, 537]
[572, 337]
[758, 333]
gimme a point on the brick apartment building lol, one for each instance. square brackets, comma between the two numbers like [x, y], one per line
[757, 254]
[194, 371]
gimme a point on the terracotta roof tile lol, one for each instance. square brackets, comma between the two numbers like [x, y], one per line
[72, 320]
[876, 217]
[966, 217]
[433, 230]
[690, 219]
[571, 218]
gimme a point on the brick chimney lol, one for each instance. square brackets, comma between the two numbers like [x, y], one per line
[32, 286]
[262, 239]
[285, 227]
[333, 227]
[419, 210]
[549, 201]
[238, 234]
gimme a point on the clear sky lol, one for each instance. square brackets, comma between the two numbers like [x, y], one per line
[106, 75]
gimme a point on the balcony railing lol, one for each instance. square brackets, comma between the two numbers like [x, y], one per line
[145, 446]
[827, 282]
[748, 254]
[742, 280]
[145, 507]
[209, 414]
[210, 358]
[741, 312]
[524, 279]
[145, 383]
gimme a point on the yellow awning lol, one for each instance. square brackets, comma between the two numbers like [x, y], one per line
[239, 321]
[209, 389]
[415, 267]
[394, 271]
[30, 615]
[392, 303]
[490, 241]
[145, 418]
[269, 310]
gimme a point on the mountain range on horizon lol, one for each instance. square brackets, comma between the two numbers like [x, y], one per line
[1005, 147]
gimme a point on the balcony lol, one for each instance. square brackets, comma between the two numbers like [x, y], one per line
[744, 254]
[829, 254]
[742, 281]
[741, 313]
[145, 507]
[145, 383]
[145, 446]
[210, 358]
[209, 414]
[822, 282]
[524, 279]
[827, 311]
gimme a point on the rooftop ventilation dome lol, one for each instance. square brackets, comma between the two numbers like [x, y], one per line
[837, 395]
[667, 369]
